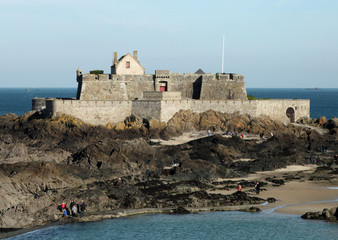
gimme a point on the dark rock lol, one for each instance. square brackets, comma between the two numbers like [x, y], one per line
[326, 214]
[332, 123]
[271, 200]
[251, 209]
[277, 182]
[180, 210]
[320, 121]
[312, 215]
[114, 170]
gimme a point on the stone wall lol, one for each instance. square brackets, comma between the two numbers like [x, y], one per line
[169, 108]
[114, 87]
[147, 109]
[103, 112]
[92, 112]
[274, 108]
[221, 90]
[191, 86]
[161, 96]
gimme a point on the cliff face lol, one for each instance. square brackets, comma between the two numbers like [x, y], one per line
[118, 167]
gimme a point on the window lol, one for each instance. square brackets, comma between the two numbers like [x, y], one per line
[127, 64]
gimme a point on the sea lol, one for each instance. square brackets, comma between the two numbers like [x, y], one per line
[213, 225]
[323, 102]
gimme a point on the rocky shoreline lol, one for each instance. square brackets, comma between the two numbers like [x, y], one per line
[330, 215]
[120, 170]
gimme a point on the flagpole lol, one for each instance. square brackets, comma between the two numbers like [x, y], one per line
[223, 55]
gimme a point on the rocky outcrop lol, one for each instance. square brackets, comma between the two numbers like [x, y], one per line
[326, 214]
[180, 210]
[332, 123]
[119, 168]
[186, 121]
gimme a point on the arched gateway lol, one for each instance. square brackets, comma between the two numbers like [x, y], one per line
[290, 113]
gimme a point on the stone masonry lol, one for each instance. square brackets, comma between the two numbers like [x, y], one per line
[127, 90]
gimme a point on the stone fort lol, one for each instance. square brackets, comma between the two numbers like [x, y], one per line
[127, 90]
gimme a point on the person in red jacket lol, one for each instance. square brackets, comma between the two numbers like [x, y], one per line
[239, 188]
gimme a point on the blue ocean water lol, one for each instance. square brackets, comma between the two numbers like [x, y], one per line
[324, 102]
[213, 225]
[19, 100]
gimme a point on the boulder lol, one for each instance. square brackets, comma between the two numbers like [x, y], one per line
[180, 210]
[271, 200]
[320, 121]
[332, 123]
[326, 214]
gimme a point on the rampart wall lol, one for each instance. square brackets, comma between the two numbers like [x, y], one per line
[92, 112]
[147, 109]
[276, 108]
[169, 108]
[103, 112]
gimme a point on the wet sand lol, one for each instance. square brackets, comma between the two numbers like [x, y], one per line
[301, 197]
[295, 197]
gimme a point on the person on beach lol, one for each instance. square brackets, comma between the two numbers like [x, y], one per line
[71, 205]
[239, 188]
[46, 190]
[74, 210]
[256, 187]
[311, 159]
[65, 213]
[262, 136]
[82, 208]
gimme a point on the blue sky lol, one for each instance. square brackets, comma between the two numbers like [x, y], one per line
[274, 43]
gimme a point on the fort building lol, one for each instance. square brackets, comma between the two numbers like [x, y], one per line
[127, 90]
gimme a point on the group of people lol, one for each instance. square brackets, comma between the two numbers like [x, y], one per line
[257, 187]
[74, 209]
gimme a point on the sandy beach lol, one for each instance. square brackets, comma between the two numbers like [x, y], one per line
[300, 197]
[294, 197]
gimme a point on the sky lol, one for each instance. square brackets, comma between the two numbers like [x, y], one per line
[274, 43]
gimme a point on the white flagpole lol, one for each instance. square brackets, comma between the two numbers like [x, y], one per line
[223, 55]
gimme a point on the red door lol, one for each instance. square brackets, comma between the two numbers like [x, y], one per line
[163, 88]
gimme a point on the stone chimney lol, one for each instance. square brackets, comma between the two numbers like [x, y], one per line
[78, 74]
[135, 55]
[115, 58]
